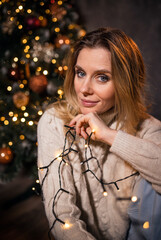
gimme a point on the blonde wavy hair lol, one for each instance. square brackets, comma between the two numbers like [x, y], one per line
[128, 74]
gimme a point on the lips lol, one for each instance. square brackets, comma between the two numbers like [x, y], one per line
[88, 103]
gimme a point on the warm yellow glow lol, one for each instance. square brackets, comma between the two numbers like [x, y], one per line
[93, 130]
[71, 26]
[10, 114]
[21, 85]
[23, 108]
[24, 41]
[29, 11]
[9, 88]
[10, 143]
[53, 61]
[45, 72]
[54, 19]
[134, 198]
[57, 29]
[25, 50]
[40, 112]
[146, 225]
[6, 122]
[20, 26]
[47, 11]
[22, 137]
[42, 3]
[14, 119]
[27, 47]
[15, 59]
[65, 68]
[23, 119]
[39, 69]
[60, 92]
[30, 123]
[86, 145]
[35, 59]
[24, 81]
[26, 114]
[66, 225]
[60, 2]
[11, 19]
[37, 38]
[28, 55]
[3, 119]
[37, 181]
[60, 68]
[20, 7]
[33, 188]
[67, 41]
[17, 10]
[41, 18]
[105, 193]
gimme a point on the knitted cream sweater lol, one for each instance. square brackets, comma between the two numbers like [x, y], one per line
[90, 214]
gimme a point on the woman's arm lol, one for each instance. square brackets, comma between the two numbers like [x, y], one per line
[143, 153]
[50, 143]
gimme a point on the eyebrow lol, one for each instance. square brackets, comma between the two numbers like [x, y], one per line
[97, 71]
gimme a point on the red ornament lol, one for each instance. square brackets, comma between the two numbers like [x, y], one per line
[38, 83]
[32, 22]
[6, 155]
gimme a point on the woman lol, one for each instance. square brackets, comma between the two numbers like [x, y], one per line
[116, 147]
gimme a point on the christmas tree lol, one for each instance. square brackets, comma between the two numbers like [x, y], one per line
[35, 36]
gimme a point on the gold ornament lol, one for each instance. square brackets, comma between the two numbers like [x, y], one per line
[20, 99]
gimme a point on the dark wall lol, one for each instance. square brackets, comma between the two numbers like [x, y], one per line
[141, 20]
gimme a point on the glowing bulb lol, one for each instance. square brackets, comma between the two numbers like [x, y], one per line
[10, 114]
[14, 119]
[29, 11]
[40, 112]
[21, 85]
[20, 26]
[20, 7]
[30, 123]
[57, 29]
[22, 137]
[37, 181]
[2, 118]
[86, 145]
[10, 143]
[28, 55]
[9, 88]
[146, 225]
[45, 72]
[134, 199]
[6, 122]
[54, 19]
[60, 2]
[66, 225]
[24, 41]
[93, 130]
[23, 119]
[23, 108]
[37, 38]
[105, 193]
[33, 188]
[65, 68]
[35, 59]
[15, 59]
[53, 61]
[26, 114]
[60, 68]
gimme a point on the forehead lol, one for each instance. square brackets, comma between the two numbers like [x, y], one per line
[98, 57]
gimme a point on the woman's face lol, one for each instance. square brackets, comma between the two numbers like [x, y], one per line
[93, 80]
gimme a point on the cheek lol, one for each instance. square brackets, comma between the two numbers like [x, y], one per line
[76, 86]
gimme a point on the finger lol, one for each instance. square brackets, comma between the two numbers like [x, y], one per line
[74, 120]
[83, 133]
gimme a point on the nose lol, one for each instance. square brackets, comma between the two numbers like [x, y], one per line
[86, 87]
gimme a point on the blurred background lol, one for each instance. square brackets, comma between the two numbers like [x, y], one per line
[35, 37]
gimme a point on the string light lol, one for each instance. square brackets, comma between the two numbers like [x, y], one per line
[26, 114]
[45, 72]
[2, 119]
[134, 198]
[146, 225]
[11, 114]
[9, 88]
[23, 108]
[22, 137]
[24, 41]
[29, 11]
[15, 59]
[23, 120]
[6, 122]
[14, 119]
[105, 193]
[64, 159]
[10, 143]
[54, 19]
[37, 38]
[57, 29]
[53, 61]
[40, 112]
[30, 123]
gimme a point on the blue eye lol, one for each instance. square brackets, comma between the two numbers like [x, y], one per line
[80, 74]
[103, 78]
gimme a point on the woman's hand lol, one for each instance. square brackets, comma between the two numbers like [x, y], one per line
[85, 124]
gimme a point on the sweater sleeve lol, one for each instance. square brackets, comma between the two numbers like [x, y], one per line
[50, 144]
[142, 153]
